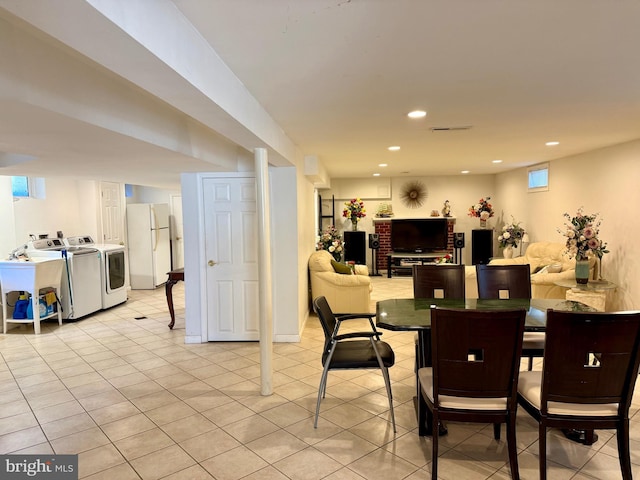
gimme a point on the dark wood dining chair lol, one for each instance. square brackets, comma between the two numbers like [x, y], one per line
[589, 371]
[511, 281]
[438, 281]
[351, 350]
[476, 360]
[503, 281]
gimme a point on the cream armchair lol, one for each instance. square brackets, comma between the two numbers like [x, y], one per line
[539, 255]
[345, 293]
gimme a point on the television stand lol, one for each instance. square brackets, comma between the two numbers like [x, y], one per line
[403, 261]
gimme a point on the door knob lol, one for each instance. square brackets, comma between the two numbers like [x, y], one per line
[211, 263]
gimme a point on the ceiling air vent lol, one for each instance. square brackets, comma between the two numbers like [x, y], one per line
[450, 129]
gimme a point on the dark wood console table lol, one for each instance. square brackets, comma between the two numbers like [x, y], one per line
[174, 276]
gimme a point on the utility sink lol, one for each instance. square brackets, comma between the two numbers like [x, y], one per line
[30, 276]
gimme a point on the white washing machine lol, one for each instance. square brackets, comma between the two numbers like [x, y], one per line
[113, 271]
[80, 285]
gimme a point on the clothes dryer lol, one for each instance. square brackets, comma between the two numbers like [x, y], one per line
[113, 269]
[80, 285]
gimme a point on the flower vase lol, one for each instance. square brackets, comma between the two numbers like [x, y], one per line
[582, 271]
[507, 252]
[354, 225]
[483, 223]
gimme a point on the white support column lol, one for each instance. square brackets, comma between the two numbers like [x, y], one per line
[264, 266]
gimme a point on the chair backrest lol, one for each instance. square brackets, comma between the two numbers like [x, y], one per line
[476, 353]
[591, 358]
[327, 320]
[503, 281]
[435, 281]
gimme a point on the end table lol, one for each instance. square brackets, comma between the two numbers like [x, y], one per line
[593, 293]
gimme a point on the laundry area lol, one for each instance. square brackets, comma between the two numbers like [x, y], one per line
[61, 278]
[77, 287]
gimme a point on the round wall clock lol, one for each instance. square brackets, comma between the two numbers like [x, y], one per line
[413, 194]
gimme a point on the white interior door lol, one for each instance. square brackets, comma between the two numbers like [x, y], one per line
[112, 219]
[232, 255]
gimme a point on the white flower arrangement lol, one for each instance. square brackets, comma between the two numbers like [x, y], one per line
[331, 241]
[511, 234]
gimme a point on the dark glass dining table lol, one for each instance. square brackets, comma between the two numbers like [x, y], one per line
[414, 314]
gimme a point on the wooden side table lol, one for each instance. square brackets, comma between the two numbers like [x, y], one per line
[174, 277]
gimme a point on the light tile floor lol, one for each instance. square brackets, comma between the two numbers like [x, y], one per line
[125, 393]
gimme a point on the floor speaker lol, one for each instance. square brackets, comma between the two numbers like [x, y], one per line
[481, 246]
[355, 249]
[458, 240]
[374, 241]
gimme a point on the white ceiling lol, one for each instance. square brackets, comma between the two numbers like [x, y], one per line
[340, 76]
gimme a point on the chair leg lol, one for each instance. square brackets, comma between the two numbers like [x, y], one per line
[512, 447]
[434, 447]
[321, 391]
[496, 431]
[530, 366]
[623, 449]
[323, 383]
[422, 414]
[542, 443]
[387, 382]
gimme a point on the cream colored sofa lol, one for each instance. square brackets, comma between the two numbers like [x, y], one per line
[538, 255]
[345, 293]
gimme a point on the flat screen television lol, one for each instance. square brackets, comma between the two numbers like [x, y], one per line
[419, 235]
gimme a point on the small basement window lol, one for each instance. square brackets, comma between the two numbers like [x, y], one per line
[20, 186]
[27, 187]
[538, 178]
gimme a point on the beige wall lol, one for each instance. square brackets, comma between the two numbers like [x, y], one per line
[604, 181]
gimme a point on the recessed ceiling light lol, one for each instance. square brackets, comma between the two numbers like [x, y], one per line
[417, 114]
[465, 171]
[552, 144]
[394, 148]
[382, 164]
[376, 174]
[496, 161]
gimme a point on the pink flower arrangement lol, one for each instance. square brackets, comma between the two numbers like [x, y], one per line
[331, 241]
[582, 235]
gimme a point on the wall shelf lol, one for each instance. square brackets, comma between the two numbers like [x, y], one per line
[322, 217]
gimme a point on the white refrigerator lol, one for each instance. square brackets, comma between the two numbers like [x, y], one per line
[148, 244]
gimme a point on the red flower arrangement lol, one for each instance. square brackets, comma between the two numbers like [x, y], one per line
[482, 210]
